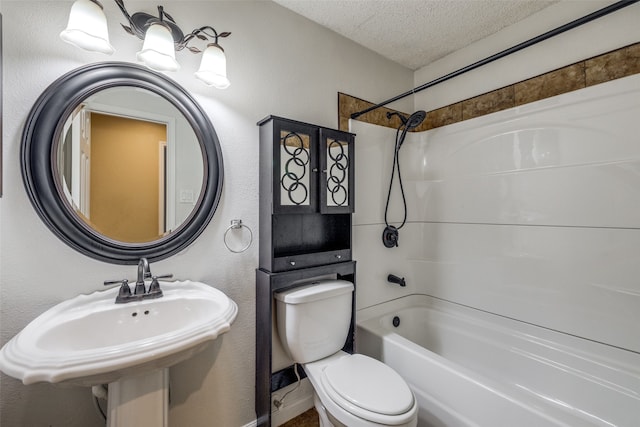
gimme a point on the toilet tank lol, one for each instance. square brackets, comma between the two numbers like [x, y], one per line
[313, 320]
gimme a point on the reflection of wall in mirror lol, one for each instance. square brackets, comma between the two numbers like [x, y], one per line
[124, 177]
[186, 154]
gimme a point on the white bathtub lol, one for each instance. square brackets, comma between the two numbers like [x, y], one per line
[472, 368]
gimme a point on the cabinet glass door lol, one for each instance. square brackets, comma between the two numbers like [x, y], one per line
[297, 179]
[336, 162]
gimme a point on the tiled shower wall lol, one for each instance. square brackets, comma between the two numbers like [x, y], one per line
[609, 66]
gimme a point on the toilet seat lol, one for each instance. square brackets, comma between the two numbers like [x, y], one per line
[369, 389]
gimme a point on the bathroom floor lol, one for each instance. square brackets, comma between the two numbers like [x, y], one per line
[306, 419]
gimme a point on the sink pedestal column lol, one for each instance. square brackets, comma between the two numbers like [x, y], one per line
[141, 400]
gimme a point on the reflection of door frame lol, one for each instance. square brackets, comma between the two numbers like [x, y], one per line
[170, 123]
[77, 189]
[163, 226]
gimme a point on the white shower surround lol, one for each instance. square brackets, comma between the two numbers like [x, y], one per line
[532, 213]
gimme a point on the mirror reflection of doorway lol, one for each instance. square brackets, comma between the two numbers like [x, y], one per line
[125, 177]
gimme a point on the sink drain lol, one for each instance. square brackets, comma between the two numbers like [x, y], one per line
[396, 321]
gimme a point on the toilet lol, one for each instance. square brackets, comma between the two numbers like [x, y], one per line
[349, 390]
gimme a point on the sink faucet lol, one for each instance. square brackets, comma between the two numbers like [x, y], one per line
[144, 272]
[140, 292]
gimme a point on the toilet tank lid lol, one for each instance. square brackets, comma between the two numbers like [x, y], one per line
[314, 291]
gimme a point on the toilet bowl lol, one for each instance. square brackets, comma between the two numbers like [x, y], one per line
[358, 391]
[350, 390]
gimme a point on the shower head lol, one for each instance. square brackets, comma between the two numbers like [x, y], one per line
[411, 122]
[415, 119]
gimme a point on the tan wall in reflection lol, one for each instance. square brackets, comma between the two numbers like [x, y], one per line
[125, 184]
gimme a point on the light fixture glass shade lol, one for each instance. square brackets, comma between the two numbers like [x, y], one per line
[158, 51]
[87, 27]
[213, 68]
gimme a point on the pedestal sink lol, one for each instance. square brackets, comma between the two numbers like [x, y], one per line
[89, 340]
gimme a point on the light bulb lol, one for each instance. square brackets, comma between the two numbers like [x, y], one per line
[213, 68]
[158, 51]
[87, 27]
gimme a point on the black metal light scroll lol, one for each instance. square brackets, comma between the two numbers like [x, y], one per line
[337, 173]
[298, 161]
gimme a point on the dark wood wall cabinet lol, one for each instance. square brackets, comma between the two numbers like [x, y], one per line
[306, 194]
[306, 201]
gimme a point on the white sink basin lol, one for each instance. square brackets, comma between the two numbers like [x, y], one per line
[90, 340]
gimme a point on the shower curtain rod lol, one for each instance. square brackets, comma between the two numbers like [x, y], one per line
[559, 30]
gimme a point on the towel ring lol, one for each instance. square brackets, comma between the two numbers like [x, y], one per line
[236, 224]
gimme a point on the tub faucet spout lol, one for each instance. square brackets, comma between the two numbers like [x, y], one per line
[392, 278]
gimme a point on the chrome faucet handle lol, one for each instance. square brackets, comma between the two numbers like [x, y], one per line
[124, 294]
[114, 282]
[154, 287]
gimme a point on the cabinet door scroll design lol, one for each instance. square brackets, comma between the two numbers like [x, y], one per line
[337, 175]
[337, 160]
[295, 161]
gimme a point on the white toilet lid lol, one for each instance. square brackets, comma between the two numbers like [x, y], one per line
[368, 384]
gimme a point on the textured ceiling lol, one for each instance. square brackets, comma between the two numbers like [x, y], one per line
[415, 33]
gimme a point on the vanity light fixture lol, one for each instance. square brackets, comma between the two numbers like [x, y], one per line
[87, 29]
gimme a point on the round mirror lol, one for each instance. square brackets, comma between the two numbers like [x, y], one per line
[129, 164]
[121, 163]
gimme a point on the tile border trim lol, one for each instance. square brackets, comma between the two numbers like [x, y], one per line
[609, 66]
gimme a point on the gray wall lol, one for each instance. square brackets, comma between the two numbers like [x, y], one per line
[278, 63]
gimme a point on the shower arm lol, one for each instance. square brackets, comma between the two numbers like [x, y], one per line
[559, 30]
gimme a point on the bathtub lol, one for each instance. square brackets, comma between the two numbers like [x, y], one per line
[467, 367]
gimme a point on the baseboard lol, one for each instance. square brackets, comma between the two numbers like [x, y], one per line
[297, 402]
[293, 410]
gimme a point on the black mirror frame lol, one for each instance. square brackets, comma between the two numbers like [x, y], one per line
[42, 133]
